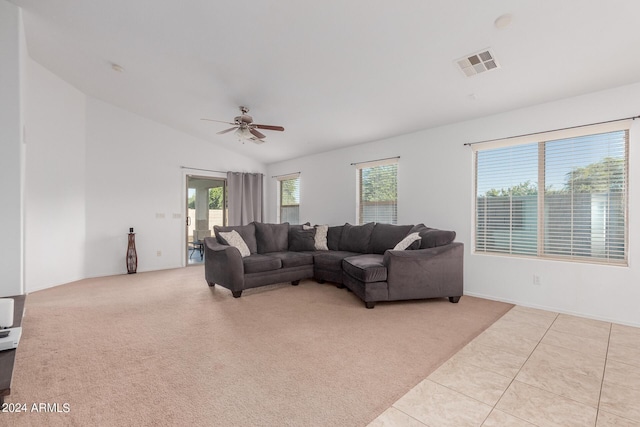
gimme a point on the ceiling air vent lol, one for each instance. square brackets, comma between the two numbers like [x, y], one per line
[477, 63]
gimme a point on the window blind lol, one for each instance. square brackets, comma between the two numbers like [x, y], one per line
[377, 187]
[289, 199]
[585, 197]
[562, 198]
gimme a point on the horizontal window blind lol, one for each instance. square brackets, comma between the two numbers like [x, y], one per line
[289, 195]
[585, 197]
[557, 198]
[377, 184]
[507, 200]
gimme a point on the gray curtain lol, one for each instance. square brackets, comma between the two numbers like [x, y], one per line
[245, 197]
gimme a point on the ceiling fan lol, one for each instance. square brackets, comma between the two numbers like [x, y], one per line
[245, 128]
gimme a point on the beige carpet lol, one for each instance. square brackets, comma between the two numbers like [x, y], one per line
[162, 348]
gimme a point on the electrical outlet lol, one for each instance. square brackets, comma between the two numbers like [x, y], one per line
[536, 280]
[159, 216]
[159, 253]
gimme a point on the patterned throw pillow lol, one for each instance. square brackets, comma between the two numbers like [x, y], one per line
[407, 241]
[234, 239]
[321, 236]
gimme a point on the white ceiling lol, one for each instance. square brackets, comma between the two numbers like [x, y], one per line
[333, 73]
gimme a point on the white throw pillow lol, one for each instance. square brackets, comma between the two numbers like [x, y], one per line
[233, 238]
[321, 236]
[407, 241]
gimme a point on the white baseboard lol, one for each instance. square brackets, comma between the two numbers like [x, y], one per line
[552, 309]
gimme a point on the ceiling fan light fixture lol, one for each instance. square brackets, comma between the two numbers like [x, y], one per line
[243, 133]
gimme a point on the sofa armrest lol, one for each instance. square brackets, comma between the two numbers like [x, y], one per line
[223, 265]
[425, 273]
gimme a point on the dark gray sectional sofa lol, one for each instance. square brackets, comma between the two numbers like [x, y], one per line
[359, 257]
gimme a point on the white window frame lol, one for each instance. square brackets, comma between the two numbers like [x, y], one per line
[279, 179]
[541, 138]
[372, 164]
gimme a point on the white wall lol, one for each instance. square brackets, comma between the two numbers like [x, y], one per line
[12, 52]
[134, 179]
[55, 177]
[435, 186]
[90, 171]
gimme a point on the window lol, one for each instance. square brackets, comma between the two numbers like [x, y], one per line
[377, 187]
[289, 199]
[560, 195]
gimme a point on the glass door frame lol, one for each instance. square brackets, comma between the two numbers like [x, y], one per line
[197, 174]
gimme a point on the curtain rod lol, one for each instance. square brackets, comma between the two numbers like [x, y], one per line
[554, 130]
[285, 174]
[377, 160]
[198, 169]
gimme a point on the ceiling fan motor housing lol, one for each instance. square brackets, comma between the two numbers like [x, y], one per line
[245, 118]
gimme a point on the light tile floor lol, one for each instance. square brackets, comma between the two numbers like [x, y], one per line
[531, 368]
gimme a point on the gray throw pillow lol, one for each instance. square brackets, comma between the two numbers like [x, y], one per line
[356, 238]
[272, 237]
[302, 240]
[387, 236]
[432, 237]
[333, 237]
[299, 226]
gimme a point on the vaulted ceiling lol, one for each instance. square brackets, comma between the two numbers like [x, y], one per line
[333, 73]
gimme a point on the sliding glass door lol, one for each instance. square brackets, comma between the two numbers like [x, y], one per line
[206, 207]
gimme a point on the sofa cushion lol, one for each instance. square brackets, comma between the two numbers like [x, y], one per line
[333, 237]
[432, 237]
[331, 260]
[293, 259]
[356, 238]
[257, 263]
[387, 236]
[272, 237]
[366, 268]
[302, 240]
[247, 232]
[233, 238]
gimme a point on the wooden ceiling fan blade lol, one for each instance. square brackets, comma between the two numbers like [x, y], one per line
[269, 127]
[257, 134]
[218, 121]
[227, 130]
